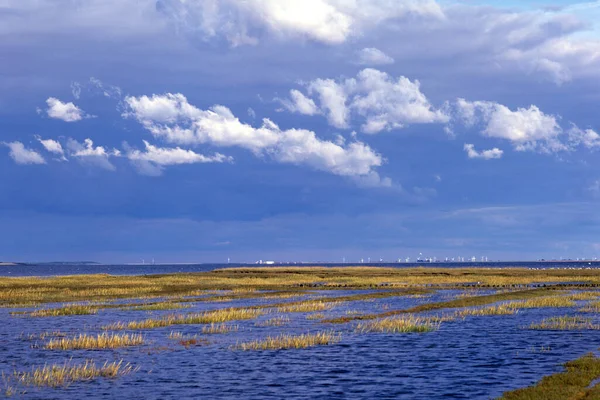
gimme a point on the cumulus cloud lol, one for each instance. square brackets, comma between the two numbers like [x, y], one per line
[53, 146]
[381, 101]
[325, 21]
[583, 137]
[373, 56]
[299, 103]
[22, 155]
[91, 155]
[527, 128]
[67, 112]
[154, 159]
[172, 118]
[491, 154]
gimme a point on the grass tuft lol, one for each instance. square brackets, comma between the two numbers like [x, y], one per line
[565, 323]
[286, 341]
[57, 375]
[502, 309]
[409, 324]
[219, 328]
[101, 341]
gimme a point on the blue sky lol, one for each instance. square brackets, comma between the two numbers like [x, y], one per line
[194, 131]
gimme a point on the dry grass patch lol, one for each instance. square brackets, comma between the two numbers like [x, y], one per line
[565, 323]
[544, 302]
[315, 316]
[57, 375]
[283, 342]
[208, 317]
[409, 324]
[101, 341]
[502, 309]
[60, 311]
[219, 328]
[308, 306]
[157, 307]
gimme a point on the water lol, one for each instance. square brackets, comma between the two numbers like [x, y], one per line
[148, 269]
[476, 358]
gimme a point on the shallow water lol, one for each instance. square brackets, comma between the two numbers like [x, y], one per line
[52, 269]
[475, 358]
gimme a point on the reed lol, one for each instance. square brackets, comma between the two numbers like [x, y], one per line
[157, 307]
[285, 341]
[57, 375]
[213, 329]
[208, 317]
[572, 384]
[315, 316]
[409, 324]
[101, 341]
[308, 306]
[544, 302]
[565, 323]
[62, 311]
[275, 321]
[593, 307]
[502, 309]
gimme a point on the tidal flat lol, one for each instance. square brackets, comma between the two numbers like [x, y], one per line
[305, 332]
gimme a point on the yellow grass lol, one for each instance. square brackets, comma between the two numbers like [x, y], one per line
[219, 328]
[275, 321]
[543, 302]
[208, 317]
[101, 341]
[315, 316]
[61, 311]
[406, 324]
[565, 323]
[57, 375]
[308, 306]
[292, 341]
[241, 282]
[502, 309]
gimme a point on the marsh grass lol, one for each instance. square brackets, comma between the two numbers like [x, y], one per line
[565, 323]
[572, 384]
[213, 329]
[208, 317]
[308, 306]
[101, 341]
[584, 295]
[502, 309]
[544, 302]
[286, 341]
[157, 307]
[257, 282]
[275, 321]
[593, 307]
[60, 311]
[315, 316]
[58, 375]
[451, 304]
[408, 324]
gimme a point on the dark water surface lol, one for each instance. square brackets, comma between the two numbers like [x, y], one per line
[148, 269]
[475, 358]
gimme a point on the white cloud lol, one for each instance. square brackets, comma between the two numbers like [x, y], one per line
[384, 103]
[333, 99]
[152, 161]
[53, 146]
[494, 153]
[583, 137]
[22, 155]
[87, 154]
[67, 112]
[299, 103]
[325, 21]
[172, 118]
[527, 128]
[373, 56]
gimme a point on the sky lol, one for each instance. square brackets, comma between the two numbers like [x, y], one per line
[298, 130]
